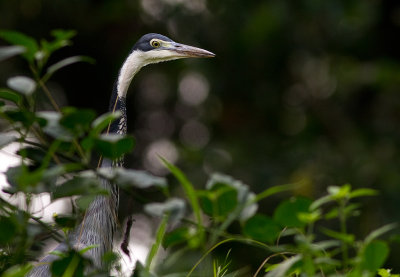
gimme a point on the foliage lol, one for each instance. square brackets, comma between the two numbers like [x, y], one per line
[301, 237]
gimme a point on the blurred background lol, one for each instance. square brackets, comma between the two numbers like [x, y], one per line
[299, 90]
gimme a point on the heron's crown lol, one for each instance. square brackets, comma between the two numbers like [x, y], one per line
[143, 44]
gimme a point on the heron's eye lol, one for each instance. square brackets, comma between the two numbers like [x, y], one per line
[155, 43]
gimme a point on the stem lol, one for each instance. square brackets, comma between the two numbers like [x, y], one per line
[159, 238]
[343, 230]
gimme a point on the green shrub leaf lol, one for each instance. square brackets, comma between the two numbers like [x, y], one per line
[17, 38]
[261, 227]
[287, 212]
[113, 146]
[10, 96]
[374, 255]
[8, 229]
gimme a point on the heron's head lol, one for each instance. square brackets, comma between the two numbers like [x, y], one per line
[154, 48]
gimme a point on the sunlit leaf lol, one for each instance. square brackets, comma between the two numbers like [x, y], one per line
[261, 227]
[340, 192]
[53, 127]
[6, 139]
[284, 267]
[363, 192]
[174, 207]
[133, 178]
[22, 84]
[10, 51]
[17, 271]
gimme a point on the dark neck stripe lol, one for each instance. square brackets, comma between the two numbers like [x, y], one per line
[118, 126]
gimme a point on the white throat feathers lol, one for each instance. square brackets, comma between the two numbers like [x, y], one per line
[135, 61]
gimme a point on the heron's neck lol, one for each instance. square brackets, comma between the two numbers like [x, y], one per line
[133, 63]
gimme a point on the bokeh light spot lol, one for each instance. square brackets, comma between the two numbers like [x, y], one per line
[163, 148]
[193, 88]
[195, 134]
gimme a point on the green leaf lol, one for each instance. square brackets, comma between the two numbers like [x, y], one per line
[274, 190]
[8, 230]
[113, 146]
[17, 271]
[78, 186]
[84, 201]
[53, 127]
[65, 221]
[17, 38]
[263, 228]
[61, 34]
[25, 117]
[284, 267]
[309, 217]
[110, 258]
[363, 192]
[65, 62]
[61, 39]
[10, 96]
[287, 212]
[379, 232]
[77, 120]
[6, 139]
[246, 199]
[349, 210]
[10, 51]
[188, 189]
[103, 121]
[340, 192]
[159, 239]
[177, 236]
[386, 273]
[71, 265]
[347, 238]
[22, 84]
[320, 201]
[219, 201]
[374, 255]
[174, 207]
[129, 178]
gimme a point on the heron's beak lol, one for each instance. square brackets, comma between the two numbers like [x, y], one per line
[190, 51]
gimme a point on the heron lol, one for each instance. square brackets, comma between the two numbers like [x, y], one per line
[99, 223]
